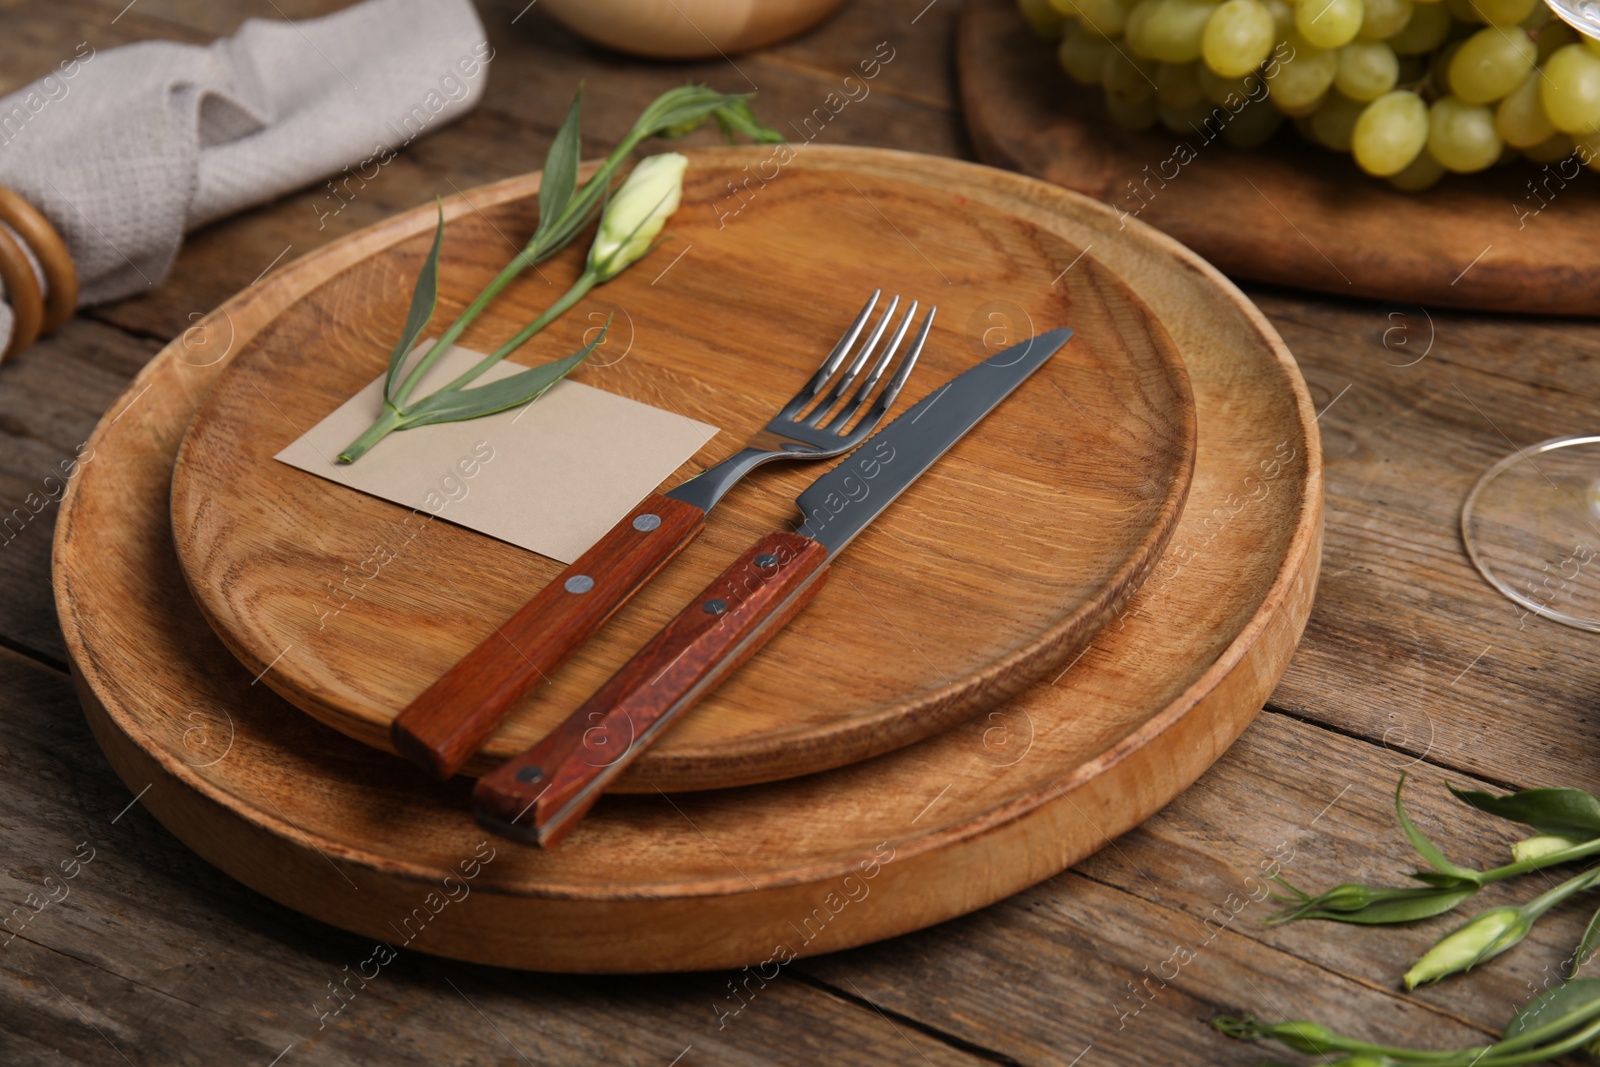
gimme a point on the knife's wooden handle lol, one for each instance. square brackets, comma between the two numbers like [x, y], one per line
[540, 795]
[452, 718]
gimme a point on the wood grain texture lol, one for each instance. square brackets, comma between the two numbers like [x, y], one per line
[441, 729]
[1088, 468]
[539, 795]
[175, 961]
[1290, 213]
[716, 879]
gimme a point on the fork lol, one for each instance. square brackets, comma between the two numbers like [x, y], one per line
[442, 728]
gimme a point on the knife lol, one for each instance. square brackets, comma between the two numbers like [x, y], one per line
[541, 795]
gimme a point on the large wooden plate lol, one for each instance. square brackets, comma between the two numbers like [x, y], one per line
[994, 568]
[733, 877]
[1289, 213]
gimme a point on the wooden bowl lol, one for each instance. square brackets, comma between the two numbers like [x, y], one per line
[688, 29]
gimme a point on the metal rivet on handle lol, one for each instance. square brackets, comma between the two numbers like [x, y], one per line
[646, 522]
[767, 559]
[715, 606]
[530, 774]
[579, 583]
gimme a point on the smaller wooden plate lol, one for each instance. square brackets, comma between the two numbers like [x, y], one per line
[998, 564]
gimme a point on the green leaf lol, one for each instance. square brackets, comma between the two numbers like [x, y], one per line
[1425, 848]
[1570, 812]
[1555, 1012]
[737, 117]
[1586, 945]
[455, 405]
[424, 295]
[1415, 904]
[560, 176]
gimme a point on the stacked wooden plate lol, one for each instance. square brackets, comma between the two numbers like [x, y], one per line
[1056, 630]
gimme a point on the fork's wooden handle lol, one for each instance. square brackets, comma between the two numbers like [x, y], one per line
[540, 795]
[452, 718]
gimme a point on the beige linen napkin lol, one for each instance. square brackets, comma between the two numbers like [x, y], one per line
[125, 150]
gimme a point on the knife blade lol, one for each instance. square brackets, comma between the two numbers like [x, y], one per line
[542, 794]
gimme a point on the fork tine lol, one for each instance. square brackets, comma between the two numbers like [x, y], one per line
[887, 397]
[837, 423]
[841, 387]
[831, 363]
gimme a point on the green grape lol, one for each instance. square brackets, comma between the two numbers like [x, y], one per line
[1083, 55]
[1520, 119]
[1172, 32]
[1570, 89]
[1282, 17]
[1463, 11]
[1328, 23]
[1427, 30]
[1491, 63]
[1390, 133]
[1253, 126]
[1043, 19]
[1588, 148]
[1555, 35]
[1108, 18]
[1382, 19]
[1538, 17]
[1554, 150]
[1132, 114]
[1237, 37]
[1301, 111]
[1367, 70]
[1302, 79]
[1461, 136]
[1133, 30]
[1418, 175]
[1591, 43]
[1178, 85]
[1334, 122]
[1439, 68]
[1184, 119]
[1502, 12]
[1229, 92]
[1128, 78]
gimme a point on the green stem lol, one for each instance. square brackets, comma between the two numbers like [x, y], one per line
[520, 262]
[1551, 897]
[547, 239]
[585, 282]
[392, 419]
[1538, 1055]
[1553, 859]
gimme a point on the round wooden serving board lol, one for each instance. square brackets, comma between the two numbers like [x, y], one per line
[731, 877]
[991, 571]
[1291, 212]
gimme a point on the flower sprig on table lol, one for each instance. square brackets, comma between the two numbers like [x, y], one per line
[1562, 1020]
[631, 219]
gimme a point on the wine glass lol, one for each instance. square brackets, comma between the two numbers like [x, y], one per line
[1531, 526]
[1581, 15]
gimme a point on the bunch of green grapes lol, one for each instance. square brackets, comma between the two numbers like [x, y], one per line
[1410, 88]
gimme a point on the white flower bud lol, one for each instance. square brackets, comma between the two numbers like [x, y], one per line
[637, 213]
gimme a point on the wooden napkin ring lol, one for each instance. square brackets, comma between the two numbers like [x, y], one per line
[22, 290]
[60, 276]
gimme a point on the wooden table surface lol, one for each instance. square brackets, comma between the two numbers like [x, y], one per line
[1410, 663]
